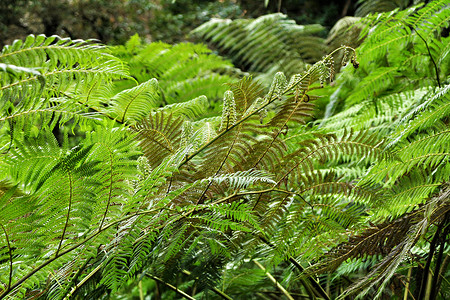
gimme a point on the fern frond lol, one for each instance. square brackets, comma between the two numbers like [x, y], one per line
[245, 92]
[242, 179]
[55, 59]
[330, 147]
[212, 86]
[134, 104]
[184, 71]
[345, 32]
[426, 114]
[428, 152]
[408, 193]
[191, 109]
[376, 115]
[270, 40]
[321, 183]
[373, 240]
[159, 136]
[64, 68]
[365, 7]
[436, 209]
[374, 84]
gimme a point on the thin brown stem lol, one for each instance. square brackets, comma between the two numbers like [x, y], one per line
[432, 59]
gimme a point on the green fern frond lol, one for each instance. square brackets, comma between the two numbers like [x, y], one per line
[270, 40]
[365, 7]
[376, 115]
[33, 101]
[184, 71]
[211, 86]
[427, 152]
[323, 184]
[374, 84]
[426, 114]
[410, 191]
[135, 104]
[191, 109]
[55, 59]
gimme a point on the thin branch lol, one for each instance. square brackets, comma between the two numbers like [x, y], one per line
[111, 177]
[432, 60]
[438, 263]
[68, 214]
[277, 284]
[317, 288]
[10, 257]
[214, 289]
[426, 271]
[173, 288]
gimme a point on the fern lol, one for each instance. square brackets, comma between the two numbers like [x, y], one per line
[203, 187]
[184, 71]
[134, 104]
[269, 43]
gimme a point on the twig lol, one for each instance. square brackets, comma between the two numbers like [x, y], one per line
[277, 284]
[214, 289]
[432, 59]
[173, 288]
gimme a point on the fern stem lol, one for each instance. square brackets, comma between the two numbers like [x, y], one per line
[173, 288]
[85, 279]
[110, 186]
[438, 263]
[432, 59]
[280, 129]
[426, 270]
[75, 278]
[442, 271]
[199, 201]
[10, 257]
[408, 282]
[317, 288]
[68, 213]
[277, 284]
[129, 104]
[215, 290]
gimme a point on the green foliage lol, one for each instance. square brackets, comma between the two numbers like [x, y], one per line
[114, 172]
[267, 44]
[184, 72]
[401, 90]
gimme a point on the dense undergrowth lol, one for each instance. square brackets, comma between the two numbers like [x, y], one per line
[162, 171]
